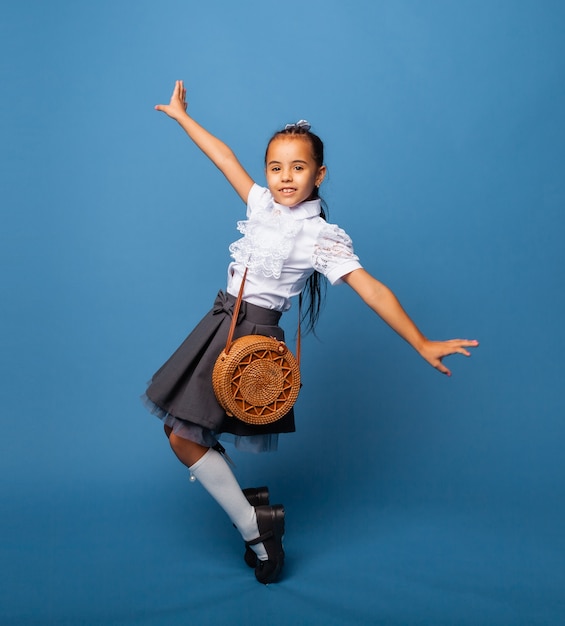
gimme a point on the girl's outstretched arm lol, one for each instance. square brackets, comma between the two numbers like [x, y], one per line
[381, 299]
[216, 150]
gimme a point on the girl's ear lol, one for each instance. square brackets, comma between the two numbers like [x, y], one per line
[321, 175]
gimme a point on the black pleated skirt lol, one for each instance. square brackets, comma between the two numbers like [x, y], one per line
[181, 393]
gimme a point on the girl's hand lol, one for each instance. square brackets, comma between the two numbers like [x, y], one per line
[177, 106]
[434, 351]
[215, 149]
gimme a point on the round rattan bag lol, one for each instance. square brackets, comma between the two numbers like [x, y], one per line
[256, 379]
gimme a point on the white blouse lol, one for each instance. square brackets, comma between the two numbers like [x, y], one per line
[282, 247]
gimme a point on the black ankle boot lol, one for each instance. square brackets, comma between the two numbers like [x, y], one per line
[270, 521]
[256, 496]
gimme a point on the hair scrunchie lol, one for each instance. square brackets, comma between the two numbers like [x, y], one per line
[300, 124]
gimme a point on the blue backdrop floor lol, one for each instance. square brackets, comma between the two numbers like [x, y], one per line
[163, 554]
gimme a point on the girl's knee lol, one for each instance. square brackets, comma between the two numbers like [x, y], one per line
[176, 442]
[187, 451]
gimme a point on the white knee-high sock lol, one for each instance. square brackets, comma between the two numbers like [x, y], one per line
[215, 475]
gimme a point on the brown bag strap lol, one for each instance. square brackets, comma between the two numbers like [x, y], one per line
[235, 314]
[298, 343]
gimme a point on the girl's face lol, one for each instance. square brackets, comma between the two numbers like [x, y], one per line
[291, 171]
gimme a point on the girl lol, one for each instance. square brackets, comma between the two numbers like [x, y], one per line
[286, 246]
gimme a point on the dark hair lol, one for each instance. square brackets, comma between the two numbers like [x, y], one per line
[315, 289]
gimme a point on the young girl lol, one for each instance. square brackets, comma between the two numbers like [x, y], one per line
[286, 246]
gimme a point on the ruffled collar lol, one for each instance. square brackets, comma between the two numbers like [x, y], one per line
[269, 236]
[302, 211]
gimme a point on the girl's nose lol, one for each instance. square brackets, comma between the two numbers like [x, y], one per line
[287, 175]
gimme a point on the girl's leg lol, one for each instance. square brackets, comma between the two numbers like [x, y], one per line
[188, 452]
[215, 475]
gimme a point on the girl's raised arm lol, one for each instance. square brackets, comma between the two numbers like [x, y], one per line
[385, 304]
[216, 150]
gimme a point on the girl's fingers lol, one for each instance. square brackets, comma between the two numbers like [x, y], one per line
[459, 346]
[469, 343]
[436, 351]
[441, 368]
[177, 94]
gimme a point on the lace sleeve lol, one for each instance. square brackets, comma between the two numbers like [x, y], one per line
[333, 254]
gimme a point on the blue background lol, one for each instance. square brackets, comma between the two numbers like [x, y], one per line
[411, 498]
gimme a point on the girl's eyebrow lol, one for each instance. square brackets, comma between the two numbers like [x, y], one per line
[295, 161]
